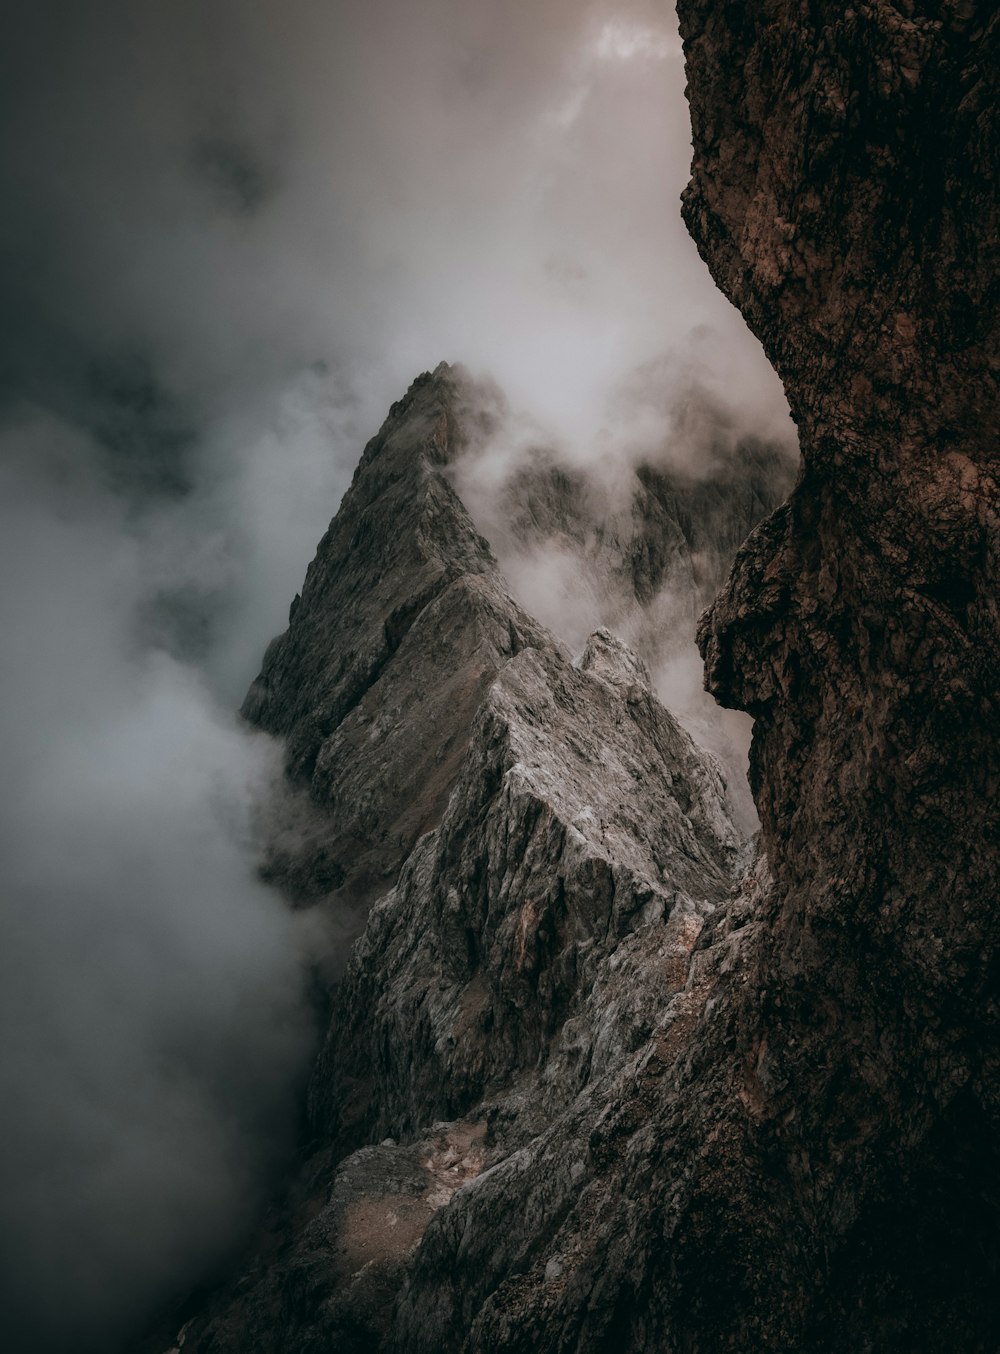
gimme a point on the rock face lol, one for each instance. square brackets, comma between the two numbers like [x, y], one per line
[531, 845]
[578, 1093]
[640, 548]
[814, 1164]
[401, 625]
[840, 197]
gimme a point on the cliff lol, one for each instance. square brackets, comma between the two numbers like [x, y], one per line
[814, 1167]
[594, 1080]
[841, 195]
[530, 847]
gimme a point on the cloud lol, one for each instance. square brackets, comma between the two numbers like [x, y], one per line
[152, 1020]
[622, 40]
[232, 234]
[234, 174]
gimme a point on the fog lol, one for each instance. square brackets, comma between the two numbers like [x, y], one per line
[232, 235]
[151, 1017]
[635, 527]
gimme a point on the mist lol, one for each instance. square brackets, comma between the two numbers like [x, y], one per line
[152, 1022]
[232, 235]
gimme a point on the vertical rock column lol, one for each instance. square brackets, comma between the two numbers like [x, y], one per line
[844, 196]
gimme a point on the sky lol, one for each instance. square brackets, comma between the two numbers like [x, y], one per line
[232, 234]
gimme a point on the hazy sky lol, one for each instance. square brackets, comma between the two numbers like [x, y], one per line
[231, 235]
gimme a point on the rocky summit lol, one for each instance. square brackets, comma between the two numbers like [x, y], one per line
[599, 1076]
[530, 847]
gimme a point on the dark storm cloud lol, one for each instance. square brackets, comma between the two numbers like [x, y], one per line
[231, 235]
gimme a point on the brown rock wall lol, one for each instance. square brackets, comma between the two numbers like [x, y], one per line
[843, 195]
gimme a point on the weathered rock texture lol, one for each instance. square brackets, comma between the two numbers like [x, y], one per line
[676, 1121]
[843, 197]
[814, 1166]
[548, 842]
[401, 625]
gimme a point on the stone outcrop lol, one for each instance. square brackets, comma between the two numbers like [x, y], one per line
[400, 627]
[841, 196]
[535, 920]
[815, 1167]
[577, 1092]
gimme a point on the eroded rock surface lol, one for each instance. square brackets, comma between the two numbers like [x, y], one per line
[814, 1165]
[840, 197]
[400, 627]
[683, 1115]
[543, 843]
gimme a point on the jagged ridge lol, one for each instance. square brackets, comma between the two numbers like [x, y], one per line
[537, 939]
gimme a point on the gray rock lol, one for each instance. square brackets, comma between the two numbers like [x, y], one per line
[401, 625]
[533, 848]
[636, 1110]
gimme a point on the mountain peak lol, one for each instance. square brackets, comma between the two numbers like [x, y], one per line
[527, 848]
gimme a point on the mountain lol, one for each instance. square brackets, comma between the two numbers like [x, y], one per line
[641, 548]
[401, 626]
[529, 846]
[599, 1076]
[840, 196]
